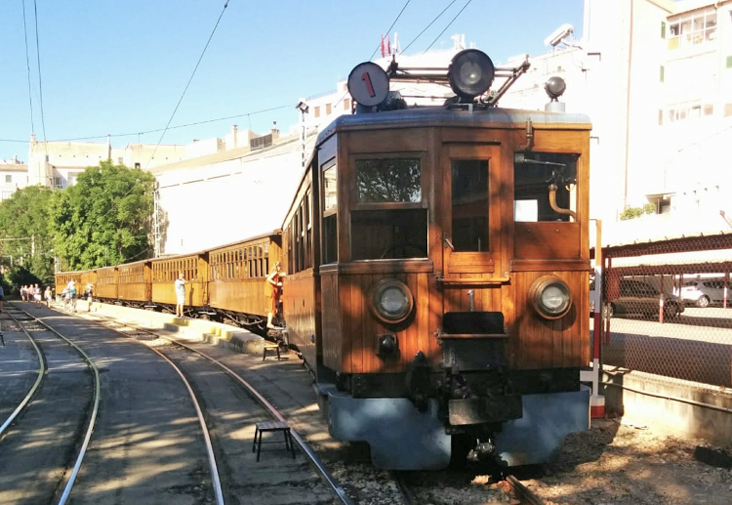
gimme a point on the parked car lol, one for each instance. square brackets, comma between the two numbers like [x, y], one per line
[640, 298]
[703, 292]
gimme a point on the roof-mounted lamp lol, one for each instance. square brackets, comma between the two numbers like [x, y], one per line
[470, 74]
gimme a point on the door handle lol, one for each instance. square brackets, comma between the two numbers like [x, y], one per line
[447, 242]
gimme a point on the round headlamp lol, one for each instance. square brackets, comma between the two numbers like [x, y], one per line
[391, 301]
[554, 87]
[471, 73]
[550, 297]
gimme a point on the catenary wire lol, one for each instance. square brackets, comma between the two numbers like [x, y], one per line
[427, 27]
[448, 26]
[40, 76]
[27, 66]
[190, 79]
[132, 134]
[375, 50]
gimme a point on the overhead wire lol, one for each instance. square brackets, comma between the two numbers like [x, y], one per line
[448, 26]
[40, 75]
[377, 48]
[132, 134]
[27, 66]
[430, 24]
[190, 79]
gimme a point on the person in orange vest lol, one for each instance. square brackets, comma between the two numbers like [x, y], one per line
[273, 289]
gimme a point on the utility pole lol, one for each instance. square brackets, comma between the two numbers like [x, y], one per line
[156, 219]
[303, 108]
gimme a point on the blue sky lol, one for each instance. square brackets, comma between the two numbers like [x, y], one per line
[120, 66]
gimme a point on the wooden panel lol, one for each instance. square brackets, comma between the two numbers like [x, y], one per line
[332, 343]
[384, 141]
[547, 240]
[106, 285]
[550, 265]
[136, 292]
[361, 330]
[298, 303]
[539, 343]
[470, 263]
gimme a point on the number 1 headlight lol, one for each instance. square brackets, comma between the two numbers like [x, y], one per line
[391, 301]
[550, 297]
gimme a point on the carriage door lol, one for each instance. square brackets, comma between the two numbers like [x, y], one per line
[470, 219]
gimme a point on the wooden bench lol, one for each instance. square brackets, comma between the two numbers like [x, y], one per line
[272, 426]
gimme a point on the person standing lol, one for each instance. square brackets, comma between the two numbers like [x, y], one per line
[48, 295]
[180, 294]
[37, 295]
[273, 288]
[71, 286]
[1, 297]
[89, 295]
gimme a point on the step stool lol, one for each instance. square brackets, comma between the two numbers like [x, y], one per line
[272, 426]
[268, 346]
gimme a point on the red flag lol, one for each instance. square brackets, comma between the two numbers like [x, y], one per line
[383, 49]
[388, 44]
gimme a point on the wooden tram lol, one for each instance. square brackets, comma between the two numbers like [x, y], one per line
[437, 265]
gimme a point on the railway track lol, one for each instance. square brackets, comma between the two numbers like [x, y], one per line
[405, 493]
[217, 390]
[48, 433]
[434, 488]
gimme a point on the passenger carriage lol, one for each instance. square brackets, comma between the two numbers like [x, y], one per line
[237, 273]
[165, 271]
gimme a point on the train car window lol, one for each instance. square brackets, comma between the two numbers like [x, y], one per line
[330, 215]
[388, 180]
[536, 177]
[470, 205]
[388, 234]
[388, 220]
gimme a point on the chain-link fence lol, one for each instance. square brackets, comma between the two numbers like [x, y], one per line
[667, 308]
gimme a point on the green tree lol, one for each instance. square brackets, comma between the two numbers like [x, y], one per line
[104, 219]
[25, 237]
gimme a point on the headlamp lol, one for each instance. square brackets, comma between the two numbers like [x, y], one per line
[391, 301]
[554, 87]
[471, 73]
[550, 297]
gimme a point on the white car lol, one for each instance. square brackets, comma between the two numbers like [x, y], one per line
[703, 292]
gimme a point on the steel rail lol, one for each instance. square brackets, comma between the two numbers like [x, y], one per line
[34, 388]
[92, 417]
[314, 459]
[218, 491]
[404, 491]
[524, 494]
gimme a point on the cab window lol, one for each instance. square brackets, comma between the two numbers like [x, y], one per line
[535, 174]
[388, 218]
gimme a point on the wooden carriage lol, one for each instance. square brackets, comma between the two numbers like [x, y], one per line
[195, 271]
[237, 272]
[63, 278]
[133, 282]
[105, 287]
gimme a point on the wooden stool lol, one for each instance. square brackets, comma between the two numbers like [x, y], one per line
[268, 346]
[273, 426]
